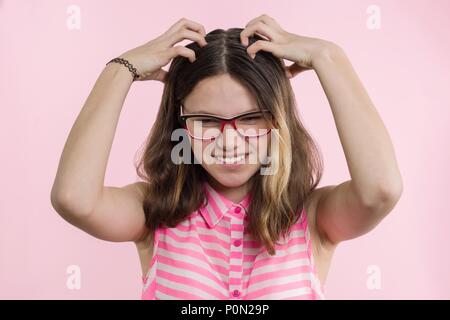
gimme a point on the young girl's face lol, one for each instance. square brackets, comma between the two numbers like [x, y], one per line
[224, 96]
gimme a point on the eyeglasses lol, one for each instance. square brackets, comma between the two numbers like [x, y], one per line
[209, 127]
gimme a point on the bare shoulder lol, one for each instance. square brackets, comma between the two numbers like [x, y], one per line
[141, 188]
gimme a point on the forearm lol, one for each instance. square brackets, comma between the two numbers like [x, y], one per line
[366, 143]
[81, 171]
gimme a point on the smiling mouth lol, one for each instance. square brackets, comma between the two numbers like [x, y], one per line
[231, 160]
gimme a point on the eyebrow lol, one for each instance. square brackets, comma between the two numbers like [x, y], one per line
[213, 114]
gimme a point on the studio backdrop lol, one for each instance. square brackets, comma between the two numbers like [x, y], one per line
[52, 53]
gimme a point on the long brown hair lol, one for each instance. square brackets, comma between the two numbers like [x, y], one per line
[174, 190]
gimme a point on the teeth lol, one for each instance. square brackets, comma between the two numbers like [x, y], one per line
[231, 160]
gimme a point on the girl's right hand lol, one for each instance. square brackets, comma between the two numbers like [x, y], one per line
[149, 58]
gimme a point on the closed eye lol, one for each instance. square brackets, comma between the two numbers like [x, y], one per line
[251, 118]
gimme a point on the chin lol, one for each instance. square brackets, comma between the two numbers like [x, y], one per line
[231, 178]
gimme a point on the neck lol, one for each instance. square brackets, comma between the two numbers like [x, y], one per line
[235, 194]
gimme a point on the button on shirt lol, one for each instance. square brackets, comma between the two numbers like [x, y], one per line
[210, 255]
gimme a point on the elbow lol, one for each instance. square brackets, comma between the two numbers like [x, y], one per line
[56, 199]
[65, 206]
[385, 197]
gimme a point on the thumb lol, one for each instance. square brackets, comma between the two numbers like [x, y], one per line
[294, 69]
[161, 75]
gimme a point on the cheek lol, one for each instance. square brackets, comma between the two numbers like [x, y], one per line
[197, 148]
[259, 147]
[202, 151]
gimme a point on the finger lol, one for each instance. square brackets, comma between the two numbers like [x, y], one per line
[253, 21]
[195, 27]
[261, 35]
[181, 51]
[264, 18]
[188, 34]
[189, 24]
[265, 46]
[257, 27]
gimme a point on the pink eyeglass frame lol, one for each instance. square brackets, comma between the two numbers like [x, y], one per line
[223, 122]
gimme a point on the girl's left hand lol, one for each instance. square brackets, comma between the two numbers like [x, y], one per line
[282, 44]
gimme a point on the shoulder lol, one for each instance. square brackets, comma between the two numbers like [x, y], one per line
[141, 188]
[311, 213]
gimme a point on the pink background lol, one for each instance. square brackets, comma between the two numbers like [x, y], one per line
[48, 70]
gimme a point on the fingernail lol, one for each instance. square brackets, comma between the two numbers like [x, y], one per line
[253, 55]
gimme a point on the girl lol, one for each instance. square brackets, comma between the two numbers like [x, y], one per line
[223, 229]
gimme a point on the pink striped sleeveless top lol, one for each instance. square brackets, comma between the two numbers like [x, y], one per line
[211, 256]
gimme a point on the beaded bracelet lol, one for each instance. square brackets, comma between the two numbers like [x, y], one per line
[128, 65]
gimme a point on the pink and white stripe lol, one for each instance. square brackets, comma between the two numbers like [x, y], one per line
[210, 255]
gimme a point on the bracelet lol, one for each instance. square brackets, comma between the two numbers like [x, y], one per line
[128, 65]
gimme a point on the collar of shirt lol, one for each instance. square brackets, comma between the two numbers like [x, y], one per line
[218, 205]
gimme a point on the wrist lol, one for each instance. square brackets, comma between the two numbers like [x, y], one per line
[119, 71]
[127, 64]
[328, 53]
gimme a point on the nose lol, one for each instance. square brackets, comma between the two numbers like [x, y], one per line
[229, 140]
